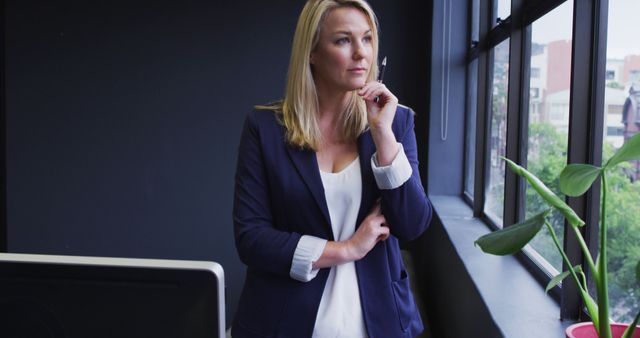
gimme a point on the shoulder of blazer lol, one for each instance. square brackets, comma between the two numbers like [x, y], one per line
[265, 123]
[263, 117]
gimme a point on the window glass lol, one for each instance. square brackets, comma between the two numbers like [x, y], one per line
[549, 85]
[622, 120]
[503, 8]
[494, 204]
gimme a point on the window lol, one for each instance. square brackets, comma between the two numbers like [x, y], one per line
[634, 73]
[548, 131]
[535, 71]
[503, 9]
[624, 184]
[534, 93]
[536, 110]
[494, 206]
[614, 132]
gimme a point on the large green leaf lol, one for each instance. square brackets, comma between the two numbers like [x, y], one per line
[630, 150]
[576, 179]
[557, 279]
[546, 193]
[509, 240]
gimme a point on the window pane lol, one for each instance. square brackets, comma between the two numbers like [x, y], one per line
[503, 8]
[549, 89]
[494, 204]
[622, 120]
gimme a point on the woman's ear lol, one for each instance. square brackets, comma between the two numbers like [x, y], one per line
[311, 58]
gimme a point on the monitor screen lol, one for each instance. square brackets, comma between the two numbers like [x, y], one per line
[79, 297]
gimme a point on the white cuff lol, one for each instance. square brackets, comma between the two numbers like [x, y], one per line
[309, 249]
[393, 175]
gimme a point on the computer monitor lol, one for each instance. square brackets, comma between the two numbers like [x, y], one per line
[94, 297]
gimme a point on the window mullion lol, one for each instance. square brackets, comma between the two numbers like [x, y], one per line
[3, 154]
[516, 122]
[586, 122]
[485, 69]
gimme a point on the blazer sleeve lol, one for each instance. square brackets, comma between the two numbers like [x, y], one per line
[407, 208]
[259, 243]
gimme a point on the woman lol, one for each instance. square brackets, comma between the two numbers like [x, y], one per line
[327, 183]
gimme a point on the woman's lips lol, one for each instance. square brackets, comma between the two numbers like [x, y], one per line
[357, 70]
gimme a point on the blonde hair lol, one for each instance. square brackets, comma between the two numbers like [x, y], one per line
[299, 108]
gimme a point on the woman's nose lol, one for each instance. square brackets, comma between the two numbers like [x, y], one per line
[358, 52]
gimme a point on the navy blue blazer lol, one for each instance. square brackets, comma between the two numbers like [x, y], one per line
[279, 197]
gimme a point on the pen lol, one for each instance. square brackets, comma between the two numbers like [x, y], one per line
[382, 67]
[381, 76]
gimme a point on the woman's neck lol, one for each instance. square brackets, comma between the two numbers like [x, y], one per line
[331, 103]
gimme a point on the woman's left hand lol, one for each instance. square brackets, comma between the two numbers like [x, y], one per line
[380, 116]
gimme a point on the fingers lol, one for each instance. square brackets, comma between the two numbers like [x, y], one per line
[375, 89]
[369, 87]
[378, 228]
[371, 231]
[377, 209]
[384, 232]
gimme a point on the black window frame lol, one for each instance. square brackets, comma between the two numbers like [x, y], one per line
[3, 138]
[588, 74]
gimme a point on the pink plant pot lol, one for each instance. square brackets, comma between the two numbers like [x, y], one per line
[586, 330]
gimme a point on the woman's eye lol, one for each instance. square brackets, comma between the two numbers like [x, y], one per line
[342, 41]
[367, 39]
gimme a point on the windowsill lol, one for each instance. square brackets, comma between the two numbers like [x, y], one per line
[516, 302]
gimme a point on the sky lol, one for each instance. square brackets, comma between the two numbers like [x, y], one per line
[623, 37]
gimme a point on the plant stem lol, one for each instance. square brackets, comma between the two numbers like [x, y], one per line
[585, 251]
[564, 256]
[584, 280]
[603, 295]
[583, 291]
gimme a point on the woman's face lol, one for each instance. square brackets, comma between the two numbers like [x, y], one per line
[342, 57]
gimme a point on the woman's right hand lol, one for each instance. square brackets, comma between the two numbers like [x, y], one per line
[372, 230]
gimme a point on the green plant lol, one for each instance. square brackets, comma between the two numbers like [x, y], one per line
[575, 180]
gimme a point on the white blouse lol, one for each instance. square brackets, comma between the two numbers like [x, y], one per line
[340, 310]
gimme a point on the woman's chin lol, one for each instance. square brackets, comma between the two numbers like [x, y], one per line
[355, 85]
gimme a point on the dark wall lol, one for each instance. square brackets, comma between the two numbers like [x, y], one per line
[123, 118]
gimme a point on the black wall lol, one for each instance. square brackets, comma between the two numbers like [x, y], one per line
[123, 118]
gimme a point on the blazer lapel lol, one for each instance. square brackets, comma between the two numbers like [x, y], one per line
[307, 166]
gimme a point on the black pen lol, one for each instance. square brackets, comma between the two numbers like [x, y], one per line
[383, 65]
